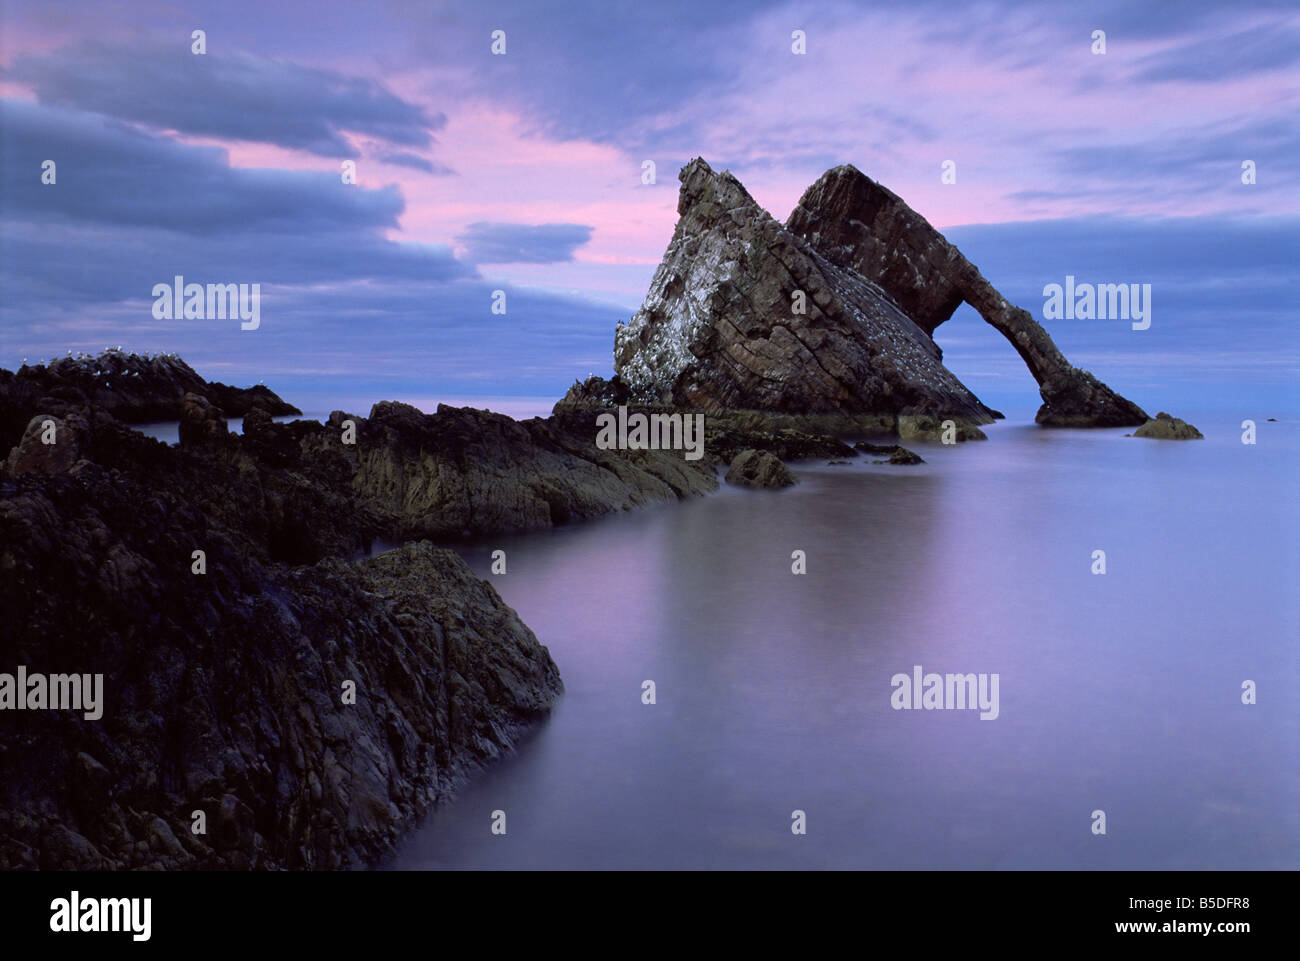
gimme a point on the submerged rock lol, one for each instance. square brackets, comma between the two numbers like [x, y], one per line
[1167, 427]
[904, 456]
[897, 454]
[753, 468]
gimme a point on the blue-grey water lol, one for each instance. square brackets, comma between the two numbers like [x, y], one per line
[1119, 692]
[169, 431]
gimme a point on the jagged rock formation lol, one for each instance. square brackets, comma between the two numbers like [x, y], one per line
[460, 472]
[743, 314]
[223, 690]
[132, 388]
[1167, 427]
[862, 227]
[200, 420]
[904, 456]
[753, 468]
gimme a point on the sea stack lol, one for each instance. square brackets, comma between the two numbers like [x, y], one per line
[830, 314]
[743, 314]
[864, 228]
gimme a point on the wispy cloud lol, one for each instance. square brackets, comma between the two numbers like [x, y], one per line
[488, 243]
[228, 95]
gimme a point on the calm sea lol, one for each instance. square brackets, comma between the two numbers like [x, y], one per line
[1118, 692]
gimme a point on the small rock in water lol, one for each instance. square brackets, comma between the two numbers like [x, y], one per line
[758, 468]
[897, 454]
[1167, 427]
[902, 455]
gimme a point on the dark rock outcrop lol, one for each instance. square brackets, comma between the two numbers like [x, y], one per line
[743, 314]
[904, 456]
[929, 427]
[862, 227]
[49, 445]
[895, 453]
[224, 689]
[727, 433]
[460, 472]
[1167, 427]
[200, 421]
[133, 388]
[753, 468]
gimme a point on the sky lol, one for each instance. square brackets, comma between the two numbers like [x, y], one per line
[522, 172]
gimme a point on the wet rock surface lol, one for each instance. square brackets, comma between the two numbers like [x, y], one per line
[49, 445]
[461, 472]
[894, 453]
[224, 691]
[1167, 427]
[201, 421]
[752, 468]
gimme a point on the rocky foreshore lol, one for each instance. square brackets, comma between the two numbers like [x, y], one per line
[302, 708]
[226, 673]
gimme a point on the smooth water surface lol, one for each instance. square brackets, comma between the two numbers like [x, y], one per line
[1118, 692]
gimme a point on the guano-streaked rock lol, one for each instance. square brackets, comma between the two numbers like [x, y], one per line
[722, 329]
